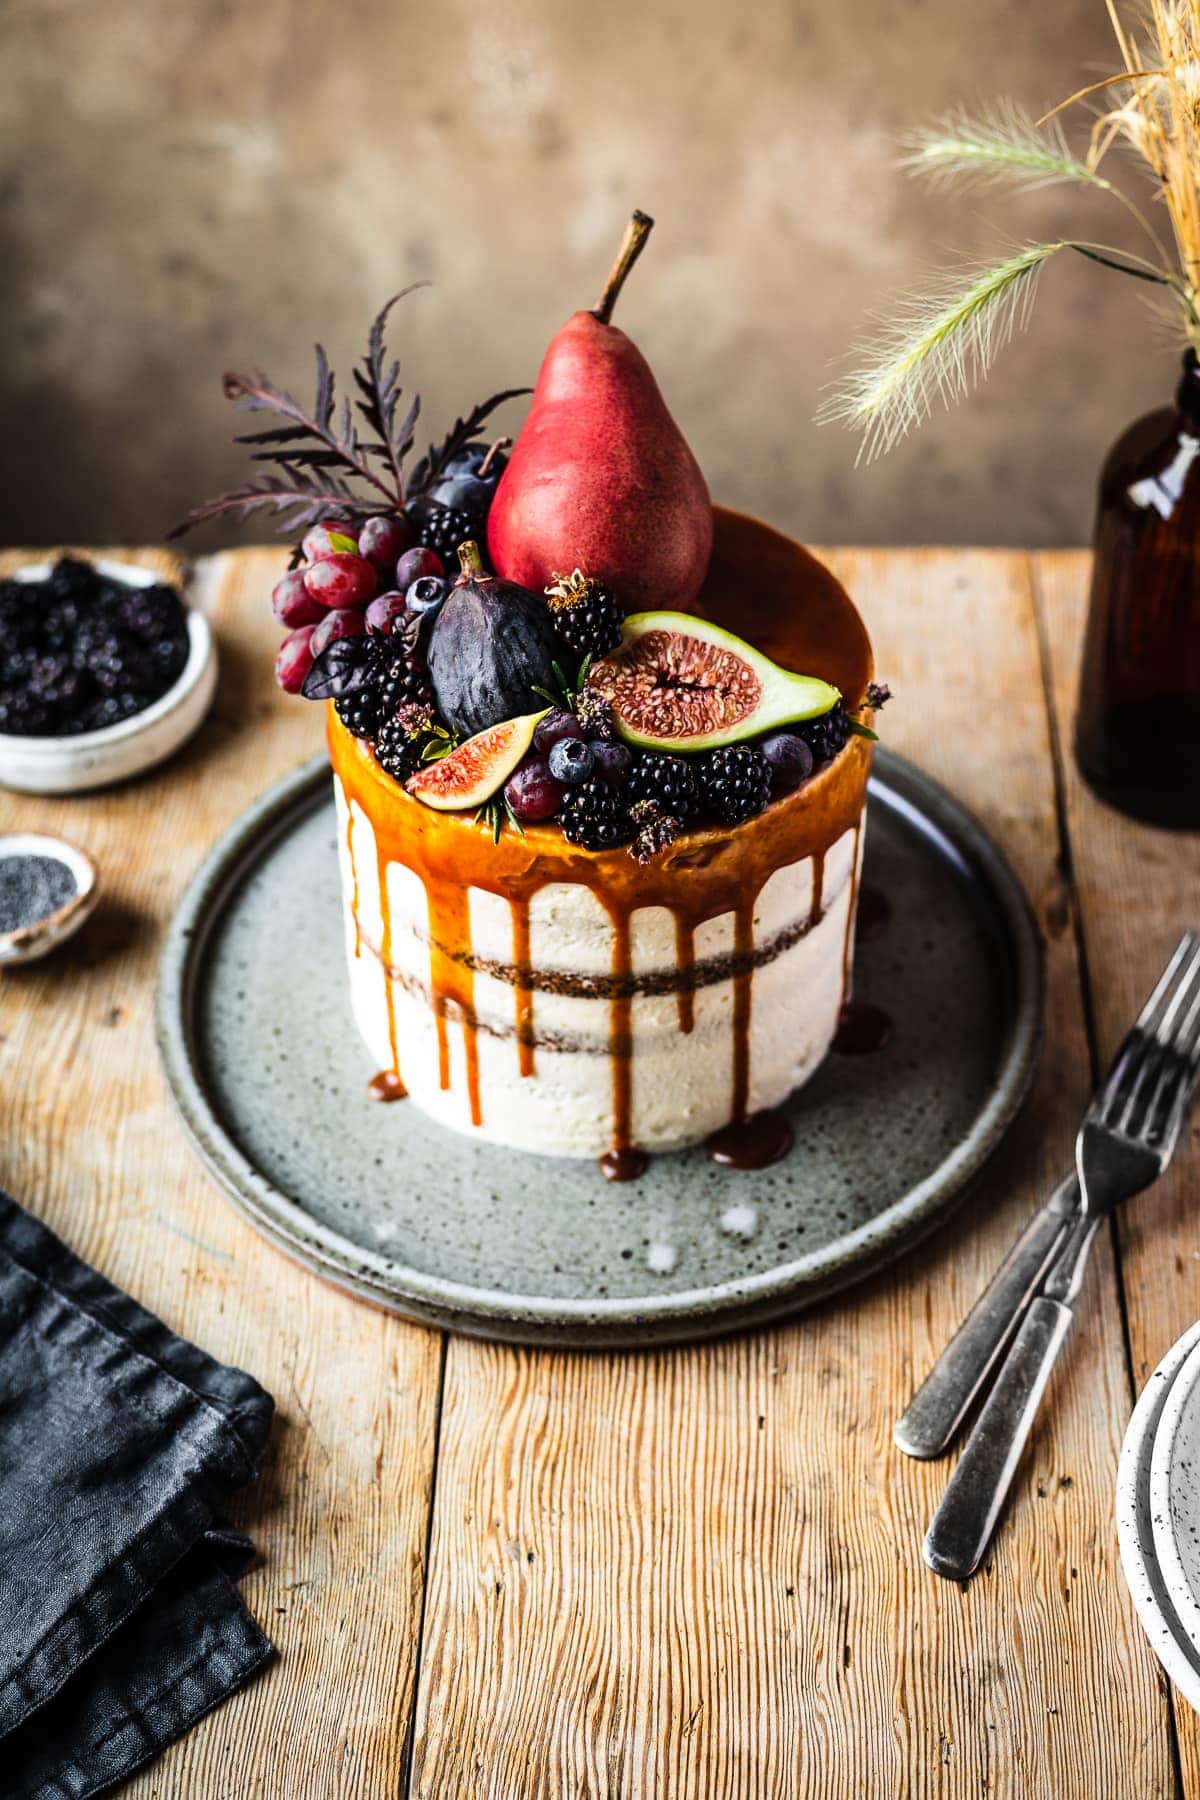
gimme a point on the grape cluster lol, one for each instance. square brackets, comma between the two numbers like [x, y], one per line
[80, 650]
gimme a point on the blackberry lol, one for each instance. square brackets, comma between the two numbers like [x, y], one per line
[825, 736]
[444, 528]
[400, 741]
[361, 712]
[403, 679]
[735, 782]
[595, 715]
[669, 781]
[594, 816]
[586, 616]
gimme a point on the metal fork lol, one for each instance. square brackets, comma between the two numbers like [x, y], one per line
[1125, 1142]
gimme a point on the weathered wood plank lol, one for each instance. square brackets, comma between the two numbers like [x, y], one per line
[88, 1139]
[698, 1573]
[1138, 888]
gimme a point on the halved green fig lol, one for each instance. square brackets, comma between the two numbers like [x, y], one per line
[678, 683]
[477, 769]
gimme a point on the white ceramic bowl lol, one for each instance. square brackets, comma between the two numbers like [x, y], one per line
[1175, 1495]
[29, 942]
[91, 759]
[1135, 1526]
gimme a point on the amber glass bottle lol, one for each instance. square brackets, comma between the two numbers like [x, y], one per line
[1138, 727]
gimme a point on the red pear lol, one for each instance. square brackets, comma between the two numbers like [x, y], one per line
[601, 477]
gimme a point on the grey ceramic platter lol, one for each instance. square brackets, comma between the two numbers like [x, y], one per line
[270, 1076]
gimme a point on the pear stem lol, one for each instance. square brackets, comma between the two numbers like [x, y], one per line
[632, 245]
[469, 559]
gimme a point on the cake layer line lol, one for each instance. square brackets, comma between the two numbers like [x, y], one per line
[708, 972]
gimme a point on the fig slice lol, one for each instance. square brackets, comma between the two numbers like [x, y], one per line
[678, 683]
[477, 769]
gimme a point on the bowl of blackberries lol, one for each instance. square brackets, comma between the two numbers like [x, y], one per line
[105, 669]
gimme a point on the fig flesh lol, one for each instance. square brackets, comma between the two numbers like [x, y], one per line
[470, 775]
[679, 683]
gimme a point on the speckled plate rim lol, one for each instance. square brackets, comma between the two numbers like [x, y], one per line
[1135, 1529]
[1165, 1460]
[674, 1317]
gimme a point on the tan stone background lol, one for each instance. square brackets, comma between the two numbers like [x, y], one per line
[187, 185]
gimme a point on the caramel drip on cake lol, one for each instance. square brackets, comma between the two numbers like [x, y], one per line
[385, 945]
[353, 882]
[743, 994]
[768, 590]
[818, 887]
[453, 981]
[848, 941]
[685, 957]
[521, 986]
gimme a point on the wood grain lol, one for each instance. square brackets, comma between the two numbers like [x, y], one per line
[698, 1573]
[1138, 889]
[89, 1141]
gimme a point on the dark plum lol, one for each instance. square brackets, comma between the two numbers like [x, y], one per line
[532, 792]
[789, 759]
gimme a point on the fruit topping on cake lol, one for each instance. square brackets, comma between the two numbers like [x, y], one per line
[558, 678]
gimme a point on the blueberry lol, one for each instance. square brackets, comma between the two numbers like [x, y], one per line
[425, 593]
[612, 763]
[571, 760]
[789, 759]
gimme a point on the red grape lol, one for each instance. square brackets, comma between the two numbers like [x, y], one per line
[556, 725]
[331, 538]
[291, 602]
[383, 540]
[344, 622]
[295, 659]
[415, 563]
[532, 792]
[343, 579]
[384, 610]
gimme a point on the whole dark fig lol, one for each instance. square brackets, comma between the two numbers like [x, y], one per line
[492, 645]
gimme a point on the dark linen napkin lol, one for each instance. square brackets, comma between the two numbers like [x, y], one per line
[120, 1445]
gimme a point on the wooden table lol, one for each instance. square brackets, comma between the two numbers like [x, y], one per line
[508, 1573]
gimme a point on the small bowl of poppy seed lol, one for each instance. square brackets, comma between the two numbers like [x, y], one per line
[47, 890]
[105, 670]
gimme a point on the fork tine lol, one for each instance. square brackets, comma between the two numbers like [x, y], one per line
[1152, 1066]
[1149, 1017]
[1186, 982]
[1164, 1112]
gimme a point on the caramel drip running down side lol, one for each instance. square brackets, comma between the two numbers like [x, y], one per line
[848, 940]
[353, 881]
[685, 957]
[452, 981]
[521, 987]
[818, 887]
[385, 952]
[386, 1087]
[621, 1053]
[743, 991]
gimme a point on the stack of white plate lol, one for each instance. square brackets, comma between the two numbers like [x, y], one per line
[1158, 1512]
